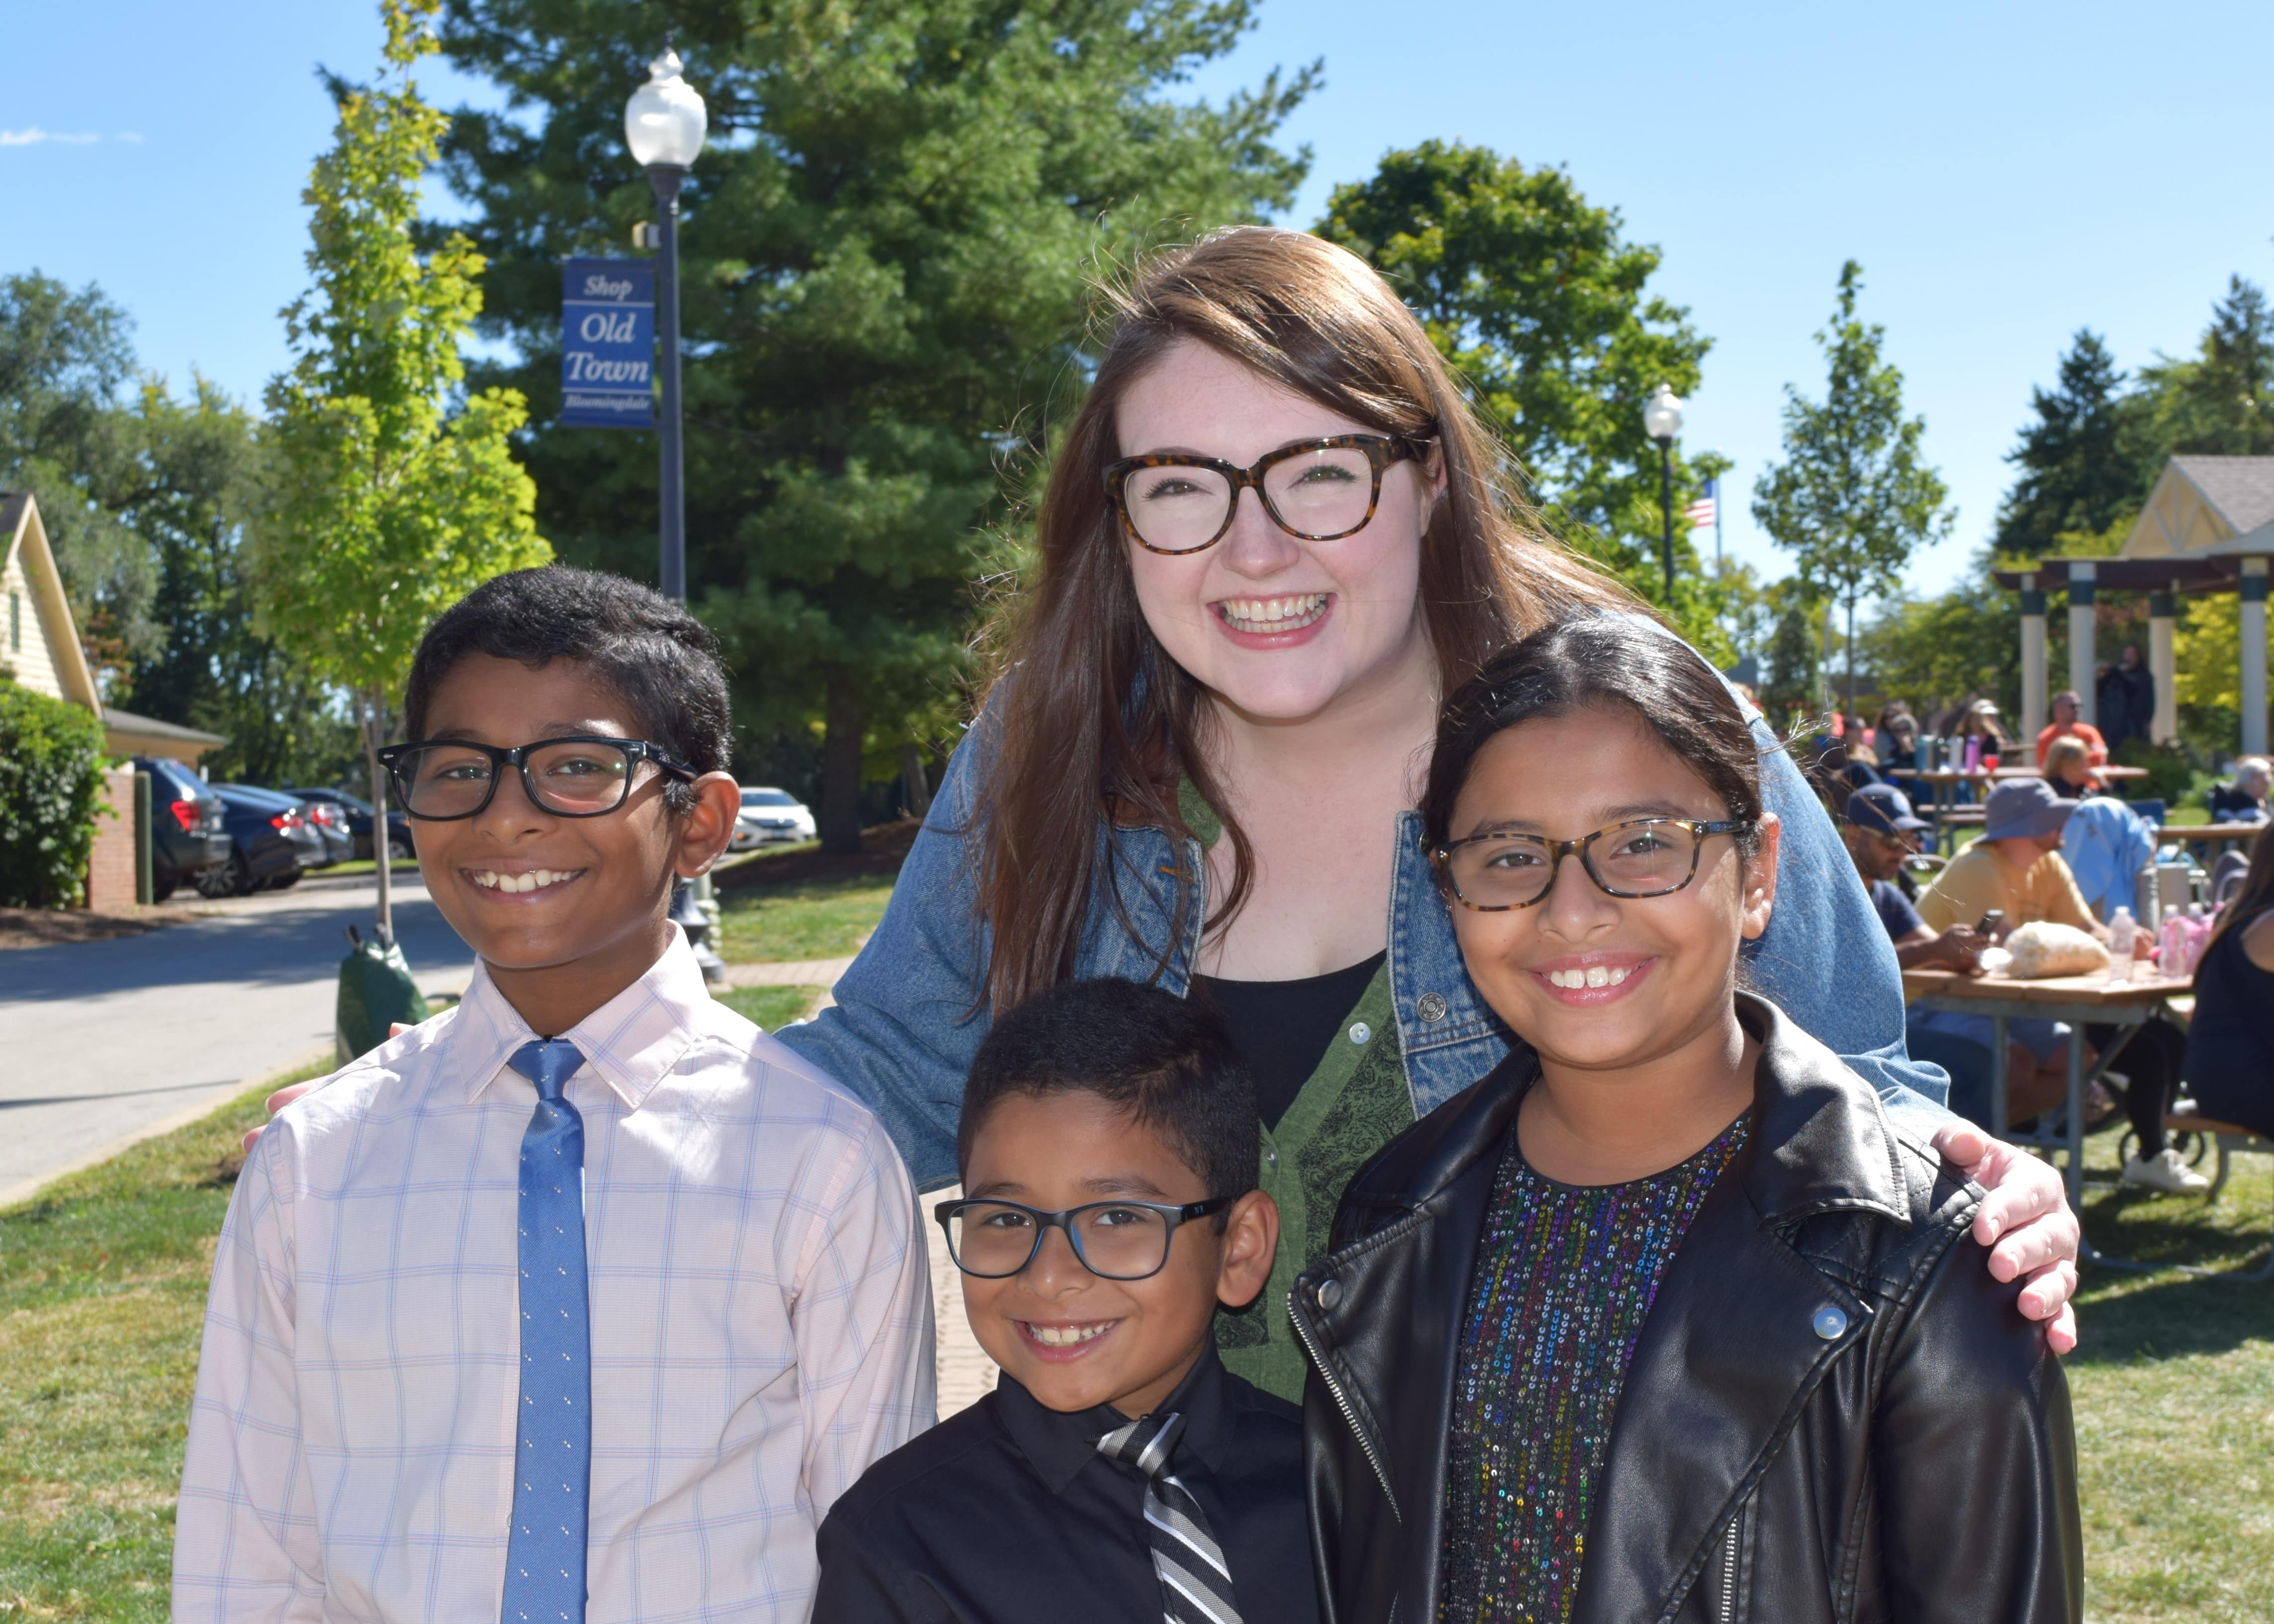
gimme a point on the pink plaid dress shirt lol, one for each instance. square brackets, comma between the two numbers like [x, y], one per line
[761, 1324]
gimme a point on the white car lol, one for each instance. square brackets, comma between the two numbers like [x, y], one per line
[769, 817]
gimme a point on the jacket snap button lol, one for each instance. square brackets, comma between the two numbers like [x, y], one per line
[1430, 1006]
[1329, 1293]
[1360, 1033]
[1830, 1323]
[1271, 1158]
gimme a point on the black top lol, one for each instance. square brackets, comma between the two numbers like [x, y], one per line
[2230, 1065]
[2239, 807]
[1281, 1028]
[1006, 1513]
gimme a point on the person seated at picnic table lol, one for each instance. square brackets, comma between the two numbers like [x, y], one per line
[1895, 736]
[2015, 868]
[1881, 832]
[2068, 767]
[2243, 801]
[2106, 844]
[2230, 1058]
[2068, 723]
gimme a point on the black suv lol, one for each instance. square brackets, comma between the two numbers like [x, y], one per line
[187, 834]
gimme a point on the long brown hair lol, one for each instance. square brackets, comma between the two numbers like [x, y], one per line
[1093, 718]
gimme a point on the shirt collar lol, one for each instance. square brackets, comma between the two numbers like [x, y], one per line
[1059, 1444]
[631, 1042]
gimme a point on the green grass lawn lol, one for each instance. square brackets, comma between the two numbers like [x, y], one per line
[818, 918]
[770, 1007]
[103, 1286]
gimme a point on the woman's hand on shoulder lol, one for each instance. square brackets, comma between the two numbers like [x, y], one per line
[2025, 1222]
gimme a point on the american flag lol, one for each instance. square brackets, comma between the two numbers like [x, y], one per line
[1702, 513]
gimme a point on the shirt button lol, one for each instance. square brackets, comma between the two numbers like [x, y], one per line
[1271, 1158]
[1430, 1006]
[1360, 1033]
[1830, 1324]
[1329, 1293]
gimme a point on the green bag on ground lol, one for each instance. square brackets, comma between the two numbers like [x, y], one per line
[375, 990]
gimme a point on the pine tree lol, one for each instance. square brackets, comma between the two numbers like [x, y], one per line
[2081, 467]
[2221, 402]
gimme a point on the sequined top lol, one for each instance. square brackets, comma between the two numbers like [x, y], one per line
[1564, 1279]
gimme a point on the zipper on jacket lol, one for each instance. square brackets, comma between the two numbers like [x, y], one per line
[1342, 1403]
[1729, 1571]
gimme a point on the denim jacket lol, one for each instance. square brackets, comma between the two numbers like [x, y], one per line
[910, 1013]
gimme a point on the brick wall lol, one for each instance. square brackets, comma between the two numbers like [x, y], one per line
[111, 866]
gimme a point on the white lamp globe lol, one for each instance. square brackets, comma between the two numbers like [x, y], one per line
[1662, 415]
[664, 121]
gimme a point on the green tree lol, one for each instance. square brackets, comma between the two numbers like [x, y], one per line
[884, 254]
[50, 795]
[1542, 308]
[1792, 687]
[216, 671]
[2081, 464]
[386, 506]
[2221, 401]
[65, 360]
[1852, 499]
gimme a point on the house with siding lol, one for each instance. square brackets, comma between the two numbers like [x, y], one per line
[40, 646]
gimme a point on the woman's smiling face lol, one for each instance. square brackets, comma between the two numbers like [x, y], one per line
[1277, 629]
[1590, 980]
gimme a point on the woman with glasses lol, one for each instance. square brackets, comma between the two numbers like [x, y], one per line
[1665, 1318]
[1274, 535]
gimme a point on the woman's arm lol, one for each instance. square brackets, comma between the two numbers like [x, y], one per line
[1975, 1460]
[903, 1029]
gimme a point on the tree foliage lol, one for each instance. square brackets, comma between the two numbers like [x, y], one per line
[884, 254]
[392, 493]
[2082, 465]
[2220, 401]
[50, 785]
[1854, 498]
[1543, 310]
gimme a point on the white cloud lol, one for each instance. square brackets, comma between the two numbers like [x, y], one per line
[35, 136]
[132, 136]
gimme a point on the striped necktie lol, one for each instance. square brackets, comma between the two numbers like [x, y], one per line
[552, 1473]
[1195, 1583]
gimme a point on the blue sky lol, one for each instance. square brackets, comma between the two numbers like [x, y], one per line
[2006, 173]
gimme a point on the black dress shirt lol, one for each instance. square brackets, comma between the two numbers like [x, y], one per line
[1006, 1513]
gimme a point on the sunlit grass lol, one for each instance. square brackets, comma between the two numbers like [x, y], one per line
[771, 1007]
[814, 919]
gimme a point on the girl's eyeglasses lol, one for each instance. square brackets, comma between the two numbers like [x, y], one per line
[582, 776]
[1118, 1240]
[1320, 490]
[1649, 857]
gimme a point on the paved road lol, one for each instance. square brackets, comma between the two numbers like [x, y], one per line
[103, 1041]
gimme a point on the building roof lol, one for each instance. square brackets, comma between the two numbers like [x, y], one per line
[24, 544]
[2240, 488]
[2206, 507]
[151, 728]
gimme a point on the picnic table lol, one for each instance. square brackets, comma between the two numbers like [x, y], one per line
[2207, 832]
[1939, 780]
[2076, 999]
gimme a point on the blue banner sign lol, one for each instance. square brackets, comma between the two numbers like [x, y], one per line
[607, 343]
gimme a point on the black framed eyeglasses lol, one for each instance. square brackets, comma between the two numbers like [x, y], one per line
[1116, 1240]
[1318, 490]
[584, 775]
[1648, 857]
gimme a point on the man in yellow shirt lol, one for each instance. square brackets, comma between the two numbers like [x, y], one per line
[2015, 868]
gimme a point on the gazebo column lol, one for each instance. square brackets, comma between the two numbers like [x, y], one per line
[2162, 664]
[2082, 579]
[2034, 711]
[2252, 586]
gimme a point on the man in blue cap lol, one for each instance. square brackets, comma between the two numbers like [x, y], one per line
[1880, 831]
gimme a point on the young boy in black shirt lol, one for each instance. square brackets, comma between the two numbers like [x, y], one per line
[1119, 1474]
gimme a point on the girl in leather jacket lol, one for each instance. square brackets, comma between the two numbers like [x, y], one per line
[1664, 1319]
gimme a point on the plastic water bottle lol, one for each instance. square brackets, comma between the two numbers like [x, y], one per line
[2171, 945]
[2120, 932]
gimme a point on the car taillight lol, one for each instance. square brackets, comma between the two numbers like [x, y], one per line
[188, 814]
[290, 820]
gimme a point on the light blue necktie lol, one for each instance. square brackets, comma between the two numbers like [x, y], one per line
[553, 1468]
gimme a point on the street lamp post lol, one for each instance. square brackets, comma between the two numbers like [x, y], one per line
[664, 125]
[1662, 417]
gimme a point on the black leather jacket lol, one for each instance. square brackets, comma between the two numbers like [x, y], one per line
[1833, 1412]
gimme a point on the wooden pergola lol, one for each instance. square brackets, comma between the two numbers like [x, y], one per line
[2208, 527]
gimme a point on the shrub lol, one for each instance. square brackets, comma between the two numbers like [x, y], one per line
[2170, 775]
[50, 783]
